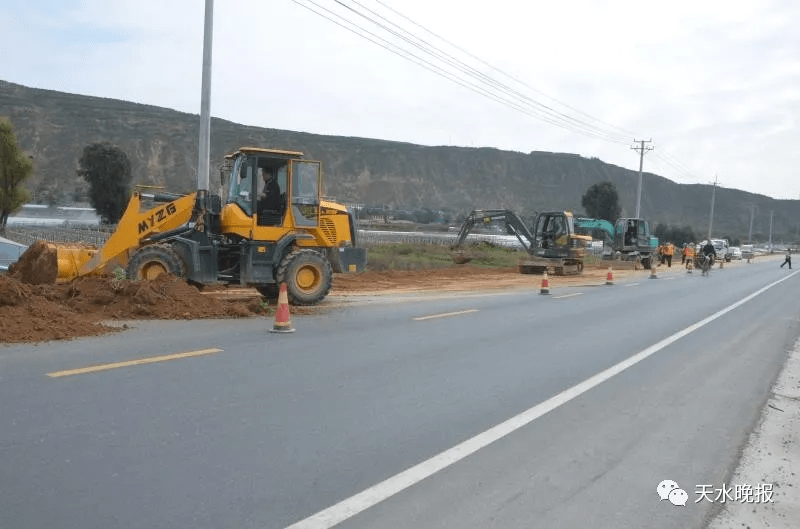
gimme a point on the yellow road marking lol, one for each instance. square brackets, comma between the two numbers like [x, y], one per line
[141, 361]
[444, 315]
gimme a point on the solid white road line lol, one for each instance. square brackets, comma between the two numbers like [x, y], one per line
[389, 487]
[444, 315]
[568, 295]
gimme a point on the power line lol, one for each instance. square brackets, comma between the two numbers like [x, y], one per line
[512, 77]
[545, 114]
[421, 51]
[469, 70]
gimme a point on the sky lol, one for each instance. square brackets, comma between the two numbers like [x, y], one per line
[715, 85]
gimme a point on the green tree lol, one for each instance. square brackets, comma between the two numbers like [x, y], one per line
[675, 234]
[108, 171]
[601, 201]
[15, 168]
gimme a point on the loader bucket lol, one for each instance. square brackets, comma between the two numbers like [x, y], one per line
[71, 259]
[44, 263]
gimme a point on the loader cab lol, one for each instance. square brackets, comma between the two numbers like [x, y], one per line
[269, 188]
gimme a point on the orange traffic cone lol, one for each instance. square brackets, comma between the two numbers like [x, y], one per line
[653, 270]
[283, 322]
[610, 277]
[545, 288]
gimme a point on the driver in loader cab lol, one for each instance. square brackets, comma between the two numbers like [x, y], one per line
[269, 202]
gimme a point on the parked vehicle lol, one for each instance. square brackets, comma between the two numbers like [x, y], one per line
[723, 251]
[736, 253]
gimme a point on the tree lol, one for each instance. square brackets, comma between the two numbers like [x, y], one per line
[108, 171]
[15, 168]
[675, 234]
[601, 201]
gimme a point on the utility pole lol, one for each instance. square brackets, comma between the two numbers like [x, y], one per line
[770, 231]
[711, 218]
[750, 233]
[204, 146]
[641, 149]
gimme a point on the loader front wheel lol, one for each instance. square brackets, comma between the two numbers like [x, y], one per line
[308, 276]
[149, 262]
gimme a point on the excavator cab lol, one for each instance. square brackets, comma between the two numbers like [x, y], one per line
[555, 233]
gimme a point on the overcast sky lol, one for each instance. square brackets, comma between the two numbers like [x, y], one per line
[714, 84]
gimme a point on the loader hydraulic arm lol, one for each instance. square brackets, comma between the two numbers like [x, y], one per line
[135, 226]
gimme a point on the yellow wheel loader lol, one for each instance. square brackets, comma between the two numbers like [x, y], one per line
[246, 238]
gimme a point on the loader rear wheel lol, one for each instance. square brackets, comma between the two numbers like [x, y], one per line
[307, 275]
[149, 262]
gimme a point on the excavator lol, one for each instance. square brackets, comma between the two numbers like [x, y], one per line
[551, 245]
[628, 238]
[234, 238]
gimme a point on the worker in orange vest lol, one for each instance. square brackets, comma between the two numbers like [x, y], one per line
[688, 254]
[666, 251]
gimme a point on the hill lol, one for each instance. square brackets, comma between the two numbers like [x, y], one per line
[54, 127]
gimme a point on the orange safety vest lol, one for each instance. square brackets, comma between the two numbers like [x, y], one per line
[668, 249]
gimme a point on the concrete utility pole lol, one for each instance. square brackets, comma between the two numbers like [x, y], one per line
[204, 146]
[750, 233]
[641, 149]
[711, 217]
[770, 231]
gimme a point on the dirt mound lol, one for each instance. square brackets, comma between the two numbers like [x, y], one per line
[37, 266]
[67, 310]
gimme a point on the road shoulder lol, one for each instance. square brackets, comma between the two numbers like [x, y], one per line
[771, 456]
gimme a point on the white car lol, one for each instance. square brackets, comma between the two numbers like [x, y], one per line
[721, 247]
[736, 253]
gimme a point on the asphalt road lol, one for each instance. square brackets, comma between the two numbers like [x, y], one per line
[475, 410]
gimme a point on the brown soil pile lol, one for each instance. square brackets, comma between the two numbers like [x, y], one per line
[37, 266]
[67, 310]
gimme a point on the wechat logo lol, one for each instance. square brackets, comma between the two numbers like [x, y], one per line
[669, 490]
